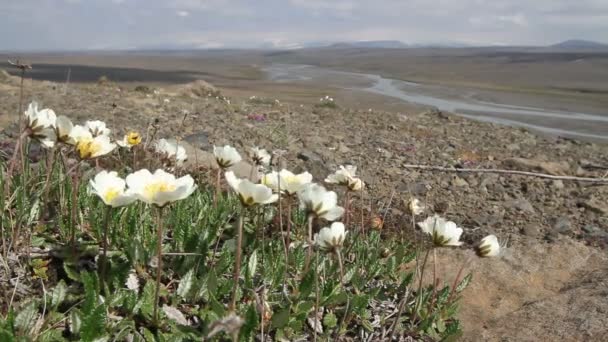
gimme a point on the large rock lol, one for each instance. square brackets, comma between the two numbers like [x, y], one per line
[199, 88]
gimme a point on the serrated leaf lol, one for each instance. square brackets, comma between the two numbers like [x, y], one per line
[464, 283]
[58, 294]
[251, 322]
[330, 320]
[91, 292]
[252, 264]
[174, 314]
[75, 322]
[71, 272]
[26, 318]
[93, 324]
[146, 303]
[185, 284]
[307, 284]
[281, 318]
[34, 212]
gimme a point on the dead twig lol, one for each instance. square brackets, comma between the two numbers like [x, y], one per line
[508, 172]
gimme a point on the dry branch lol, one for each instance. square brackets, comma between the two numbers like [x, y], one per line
[508, 172]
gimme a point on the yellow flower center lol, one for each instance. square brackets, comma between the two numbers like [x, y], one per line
[153, 189]
[111, 194]
[133, 138]
[87, 148]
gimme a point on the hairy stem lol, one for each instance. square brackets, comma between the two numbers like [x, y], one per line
[159, 257]
[346, 207]
[317, 296]
[104, 245]
[217, 187]
[74, 211]
[237, 259]
[341, 266]
[310, 242]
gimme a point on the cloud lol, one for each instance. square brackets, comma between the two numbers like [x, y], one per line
[78, 24]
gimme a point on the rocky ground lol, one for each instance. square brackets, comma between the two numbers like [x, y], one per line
[551, 282]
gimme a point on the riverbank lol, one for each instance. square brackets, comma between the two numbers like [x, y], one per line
[465, 102]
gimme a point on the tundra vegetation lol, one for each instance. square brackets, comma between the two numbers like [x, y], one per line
[111, 238]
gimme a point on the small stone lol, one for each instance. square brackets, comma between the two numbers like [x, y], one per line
[595, 206]
[558, 184]
[459, 182]
[521, 204]
[562, 226]
[531, 230]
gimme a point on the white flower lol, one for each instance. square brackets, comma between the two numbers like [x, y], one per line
[39, 119]
[415, 207]
[346, 176]
[250, 193]
[63, 130]
[226, 156]
[331, 238]
[159, 188]
[290, 183]
[320, 202]
[111, 189]
[443, 232]
[40, 124]
[129, 140]
[489, 246]
[79, 133]
[260, 156]
[89, 148]
[97, 128]
[171, 150]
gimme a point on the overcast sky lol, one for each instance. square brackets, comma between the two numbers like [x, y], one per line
[119, 24]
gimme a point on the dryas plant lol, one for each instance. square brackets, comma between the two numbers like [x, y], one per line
[97, 282]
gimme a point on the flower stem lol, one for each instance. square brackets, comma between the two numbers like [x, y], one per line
[310, 242]
[288, 233]
[159, 257]
[74, 211]
[456, 280]
[47, 183]
[341, 266]
[419, 292]
[104, 245]
[317, 296]
[346, 207]
[237, 259]
[217, 187]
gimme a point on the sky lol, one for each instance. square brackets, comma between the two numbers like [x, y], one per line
[140, 24]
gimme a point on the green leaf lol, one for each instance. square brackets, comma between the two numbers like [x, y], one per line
[252, 264]
[93, 324]
[185, 285]
[281, 318]
[250, 324]
[76, 322]
[307, 284]
[26, 319]
[91, 291]
[71, 272]
[146, 303]
[464, 283]
[330, 320]
[58, 294]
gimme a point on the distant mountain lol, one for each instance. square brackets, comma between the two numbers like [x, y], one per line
[578, 44]
[381, 44]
